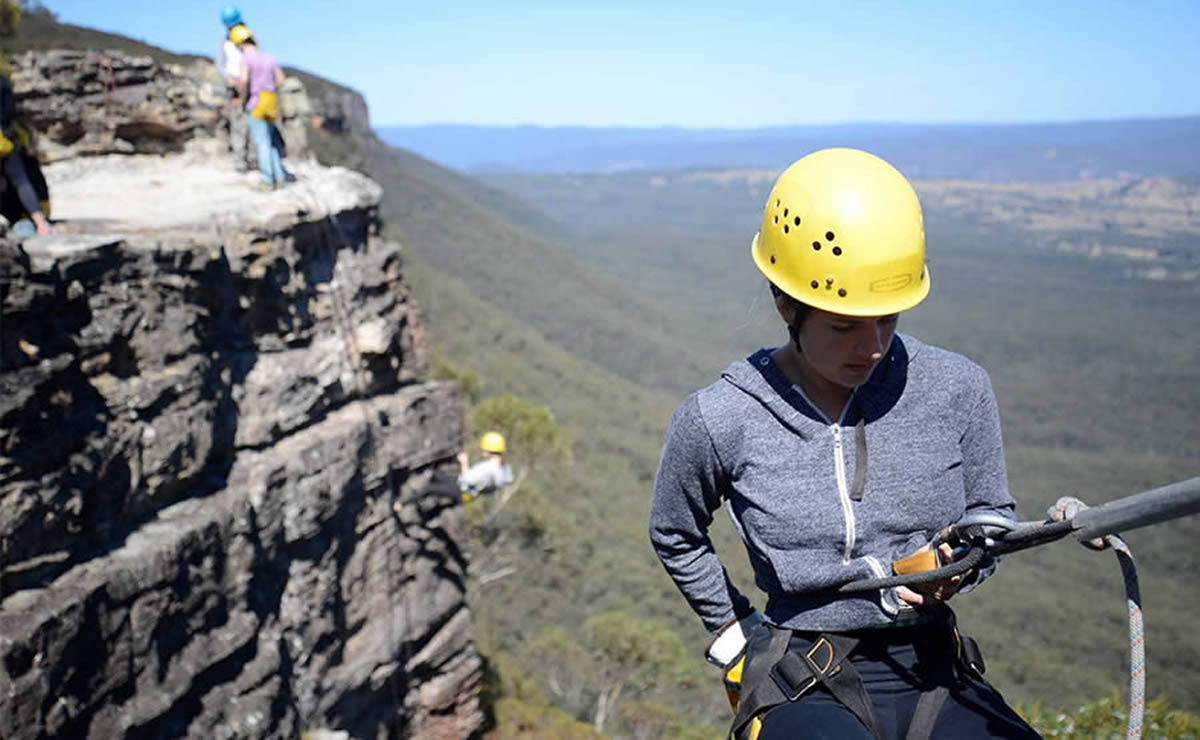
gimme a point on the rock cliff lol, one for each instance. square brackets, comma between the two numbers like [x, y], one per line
[209, 399]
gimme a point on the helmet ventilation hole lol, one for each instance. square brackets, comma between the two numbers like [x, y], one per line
[829, 236]
[772, 259]
[785, 213]
[842, 292]
[777, 219]
[816, 246]
[785, 228]
[777, 202]
[796, 221]
[814, 284]
[837, 251]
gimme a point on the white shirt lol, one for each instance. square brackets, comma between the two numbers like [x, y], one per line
[229, 60]
[485, 476]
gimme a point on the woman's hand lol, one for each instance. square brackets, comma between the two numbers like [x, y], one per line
[926, 593]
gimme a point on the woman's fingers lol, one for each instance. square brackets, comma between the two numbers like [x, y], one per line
[921, 594]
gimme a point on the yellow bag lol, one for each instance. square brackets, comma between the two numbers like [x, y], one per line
[267, 107]
[6, 146]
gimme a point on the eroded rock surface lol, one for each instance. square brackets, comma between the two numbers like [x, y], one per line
[209, 398]
[95, 102]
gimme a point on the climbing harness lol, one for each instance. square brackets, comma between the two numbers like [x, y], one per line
[796, 662]
[781, 675]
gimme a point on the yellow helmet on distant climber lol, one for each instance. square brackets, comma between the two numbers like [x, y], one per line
[843, 232]
[239, 33]
[493, 442]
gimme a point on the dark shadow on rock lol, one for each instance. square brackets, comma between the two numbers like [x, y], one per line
[490, 692]
[66, 429]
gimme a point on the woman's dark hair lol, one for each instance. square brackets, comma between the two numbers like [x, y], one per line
[800, 309]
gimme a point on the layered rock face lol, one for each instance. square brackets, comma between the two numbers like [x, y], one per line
[209, 399]
[89, 103]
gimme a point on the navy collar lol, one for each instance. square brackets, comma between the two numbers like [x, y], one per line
[870, 401]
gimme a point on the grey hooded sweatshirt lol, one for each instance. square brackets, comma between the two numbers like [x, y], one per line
[786, 473]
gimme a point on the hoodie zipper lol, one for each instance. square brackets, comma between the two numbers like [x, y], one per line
[839, 461]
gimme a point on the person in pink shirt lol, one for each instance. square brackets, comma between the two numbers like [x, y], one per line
[260, 81]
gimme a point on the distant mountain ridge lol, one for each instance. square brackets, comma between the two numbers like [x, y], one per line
[1168, 147]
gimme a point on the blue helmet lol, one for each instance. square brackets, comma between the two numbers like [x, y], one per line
[231, 16]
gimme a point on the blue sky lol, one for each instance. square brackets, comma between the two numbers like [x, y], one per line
[712, 64]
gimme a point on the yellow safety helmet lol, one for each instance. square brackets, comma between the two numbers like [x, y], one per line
[842, 231]
[493, 442]
[239, 33]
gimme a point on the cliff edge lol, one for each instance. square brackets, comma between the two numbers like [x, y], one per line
[209, 399]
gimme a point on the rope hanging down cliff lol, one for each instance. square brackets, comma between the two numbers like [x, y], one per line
[336, 242]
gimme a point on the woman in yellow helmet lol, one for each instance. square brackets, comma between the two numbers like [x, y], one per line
[489, 474]
[261, 78]
[836, 454]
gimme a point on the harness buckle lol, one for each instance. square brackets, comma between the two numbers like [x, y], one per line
[794, 676]
[786, 686]
[821, 644]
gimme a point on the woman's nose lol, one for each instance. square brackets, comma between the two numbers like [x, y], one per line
[873, 341]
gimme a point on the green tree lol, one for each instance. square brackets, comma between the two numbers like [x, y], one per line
[647, 720]
[10, 17]
[443, 368]
[509, 539]
[632, 653]
[534, 437]
[520, 709]
[10, 21]
[566, 668]
[617, 657]
[1107, 718]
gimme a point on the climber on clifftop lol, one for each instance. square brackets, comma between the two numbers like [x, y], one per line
[260, 81]
[15, 153]
[229, 65]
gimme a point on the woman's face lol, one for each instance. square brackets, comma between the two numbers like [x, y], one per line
[844, 349]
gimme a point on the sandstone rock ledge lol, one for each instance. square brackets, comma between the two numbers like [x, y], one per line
[209, 397]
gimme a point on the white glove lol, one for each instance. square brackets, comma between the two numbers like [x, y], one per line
[729, 644]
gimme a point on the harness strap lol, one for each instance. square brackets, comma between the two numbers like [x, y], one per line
[925, 715]
[960, 660]
[779, 676]
[757, 691]
[847, 686]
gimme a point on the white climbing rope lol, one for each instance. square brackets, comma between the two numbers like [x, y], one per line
[1066, 508]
